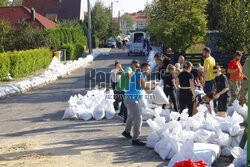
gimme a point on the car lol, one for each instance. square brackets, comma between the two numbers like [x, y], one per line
[111, 43]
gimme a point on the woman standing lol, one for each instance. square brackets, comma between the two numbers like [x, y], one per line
[170, 86]
[186, 86]
[115, 76]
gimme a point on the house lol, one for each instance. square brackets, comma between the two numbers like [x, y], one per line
[58, 9]
[16, 13]
[140, 20]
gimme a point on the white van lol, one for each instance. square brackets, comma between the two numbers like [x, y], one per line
[137, 46]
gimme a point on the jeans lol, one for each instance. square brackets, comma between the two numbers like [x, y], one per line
[117, 96]
[169, 92]
[209, 85]
[134, 118]
[185, 100]
[123, 110]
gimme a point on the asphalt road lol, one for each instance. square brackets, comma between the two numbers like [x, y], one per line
[33, 134]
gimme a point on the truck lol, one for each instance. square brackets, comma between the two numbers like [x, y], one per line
[137, 45]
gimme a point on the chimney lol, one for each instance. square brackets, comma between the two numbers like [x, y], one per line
[33, 13]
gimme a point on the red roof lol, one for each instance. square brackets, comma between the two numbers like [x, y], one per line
[138, 17]
[13, 14]
[116, 19]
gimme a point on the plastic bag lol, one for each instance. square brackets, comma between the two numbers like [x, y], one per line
[110, 112]
[99, 113]
[86, 115]
[189, 163]
[142, 102]
[69, 113]
[240, 156]
[165, 114]
[185, 153]
[159, 96]
[203, 135]
[152, 139]
[146, 114]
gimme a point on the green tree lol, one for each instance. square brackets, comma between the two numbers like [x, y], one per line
[16, 3]
[4, 3]
[101, 20]
[177, 23]
[5, 30]
[234, 28]
[128, 21]
[214, 9]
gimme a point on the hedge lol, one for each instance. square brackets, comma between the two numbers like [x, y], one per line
[62, 36]
[23, 63]
[73, 51]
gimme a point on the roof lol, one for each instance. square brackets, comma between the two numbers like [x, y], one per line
[116, 19]
[13, 14]
[138, 17]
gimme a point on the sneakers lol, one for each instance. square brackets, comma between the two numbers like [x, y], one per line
[127, 135]
[138, 143]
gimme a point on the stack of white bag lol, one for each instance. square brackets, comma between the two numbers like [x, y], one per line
[95, 104]
[203, 128]
[55, 71]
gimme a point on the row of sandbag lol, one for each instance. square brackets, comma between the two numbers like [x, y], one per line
[97, 104]
[168, 137]
[56, 69]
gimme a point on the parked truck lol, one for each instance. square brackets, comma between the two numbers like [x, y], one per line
[138, 45]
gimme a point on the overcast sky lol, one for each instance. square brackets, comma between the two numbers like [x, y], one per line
[123, 5]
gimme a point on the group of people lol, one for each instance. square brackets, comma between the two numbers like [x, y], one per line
[186, 86]
[189, 86]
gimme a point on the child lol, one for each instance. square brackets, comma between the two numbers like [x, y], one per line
[203, 99]
[169, 85]
[222, 91]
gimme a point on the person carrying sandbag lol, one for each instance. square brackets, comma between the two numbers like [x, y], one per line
[132, 96]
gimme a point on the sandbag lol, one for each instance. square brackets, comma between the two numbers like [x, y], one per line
[86, 115]
[146, 113]
[99, 113]
[142, 102]
[110, 112]
[69, 113]
[159, 96]
[152, 139]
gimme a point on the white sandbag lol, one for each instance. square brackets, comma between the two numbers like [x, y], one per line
[163, 149]
[159, 96]
[153, 125]
[243, 111]
[207, 152]
[240, 157]
[185, 153]
[109, 111]
[99, 113]
[166, 114]
[86, 115]
[146, 113]
[152, 139]
[142, 102]
[174, 116]
[222, 139]
[69, 114]
[226, 151]
[192, 124]
[203, 135]
[230, 111]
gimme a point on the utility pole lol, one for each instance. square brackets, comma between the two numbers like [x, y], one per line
[89, 29]
[112, 18]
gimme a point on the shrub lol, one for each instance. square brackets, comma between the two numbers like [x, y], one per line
[4, 66]
[23, 63]
[62, 36]
[73, 51]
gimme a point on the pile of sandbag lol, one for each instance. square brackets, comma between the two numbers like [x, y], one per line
[56, 70]
[97, 104]
[214, 134]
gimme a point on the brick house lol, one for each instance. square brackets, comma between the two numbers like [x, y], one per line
[140, 20]
[57, 9]
[16, 13]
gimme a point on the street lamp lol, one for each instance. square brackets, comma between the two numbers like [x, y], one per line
[112, 16]
[89, 28]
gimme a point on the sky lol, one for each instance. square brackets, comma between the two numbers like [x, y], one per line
[124, 6]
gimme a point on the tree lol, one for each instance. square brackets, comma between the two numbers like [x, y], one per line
[101, 20]
[4, 3]
[16, 3]
[214, 17]
[234, 28]
[177, 23]
[5, 29]
[128, 21]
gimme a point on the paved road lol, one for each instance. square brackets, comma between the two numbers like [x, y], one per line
[31, 127]
[33, 134]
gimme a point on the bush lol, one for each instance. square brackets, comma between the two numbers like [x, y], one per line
[62, 36]
[4, 66]
[23, 63]
[73, 51]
